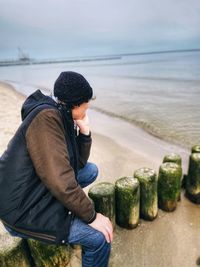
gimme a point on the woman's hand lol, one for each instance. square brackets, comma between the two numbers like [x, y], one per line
[83, 125]
[104, 225]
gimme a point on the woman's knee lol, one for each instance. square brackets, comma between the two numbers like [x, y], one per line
[93, 170]
[98, 252]
[99, 242]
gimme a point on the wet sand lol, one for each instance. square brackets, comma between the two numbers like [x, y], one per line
[119, 148]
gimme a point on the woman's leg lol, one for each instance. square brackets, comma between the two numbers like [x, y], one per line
[87, 174]
[95, 249]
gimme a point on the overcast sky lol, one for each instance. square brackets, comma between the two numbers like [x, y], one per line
[64, 28]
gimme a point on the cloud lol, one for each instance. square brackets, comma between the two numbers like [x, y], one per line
[99, 25]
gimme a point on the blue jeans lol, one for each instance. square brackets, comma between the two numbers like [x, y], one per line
[95, 249]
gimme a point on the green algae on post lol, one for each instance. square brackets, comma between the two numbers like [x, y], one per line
[148, 193]
[127, 192]
[176, 158]
[12, 253]
[193, 178]
[173, 157]
[195, 149]
[103, 196]
[47, 255]
[169, 185]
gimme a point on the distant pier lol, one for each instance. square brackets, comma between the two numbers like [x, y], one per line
[19, 62]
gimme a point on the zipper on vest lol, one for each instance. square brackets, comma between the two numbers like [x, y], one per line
[33, 234]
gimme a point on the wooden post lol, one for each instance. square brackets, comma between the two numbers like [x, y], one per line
[12, 253]
[127, 191]
[47, 255]
[193, 178]
[176, 158]
[148, 193]
[103, 196]
[169, 185]
[195, 149]
[173, 157]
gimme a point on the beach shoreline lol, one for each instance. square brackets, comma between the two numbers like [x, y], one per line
[147, 129]
[119, 148]
[112, 126]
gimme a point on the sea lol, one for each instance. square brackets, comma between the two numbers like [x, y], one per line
[159, 92]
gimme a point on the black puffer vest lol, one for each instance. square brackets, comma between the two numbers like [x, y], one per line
[26, 205]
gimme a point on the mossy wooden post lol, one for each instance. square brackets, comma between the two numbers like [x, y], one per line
[169, 185]
[103, 196]
[175, 158]
[47, 255]
[195, 149]
[12, 253]
[148, 193]
[127, 192]
[193, 178]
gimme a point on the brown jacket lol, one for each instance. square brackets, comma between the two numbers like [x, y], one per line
[48, 151]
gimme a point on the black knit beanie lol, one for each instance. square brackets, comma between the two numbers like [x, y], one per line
[72, 88]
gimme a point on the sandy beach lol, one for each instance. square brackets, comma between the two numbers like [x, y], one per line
[120, 148]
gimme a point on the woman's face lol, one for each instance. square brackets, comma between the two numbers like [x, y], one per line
[79, 112]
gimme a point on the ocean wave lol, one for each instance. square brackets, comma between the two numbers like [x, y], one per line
[154, 130]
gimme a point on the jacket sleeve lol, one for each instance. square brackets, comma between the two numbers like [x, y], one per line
[84, 143]
[48, 151]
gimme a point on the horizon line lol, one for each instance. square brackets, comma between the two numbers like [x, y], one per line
[92, 58]
[155, 52]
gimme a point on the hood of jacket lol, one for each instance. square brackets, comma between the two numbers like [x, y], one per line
[33, 101]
